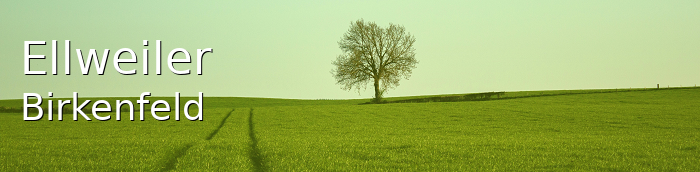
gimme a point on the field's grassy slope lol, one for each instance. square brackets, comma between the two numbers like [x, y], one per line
[655, 130]
[98, 145]
[611, 131]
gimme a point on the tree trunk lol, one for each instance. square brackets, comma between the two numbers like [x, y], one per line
[377, 95]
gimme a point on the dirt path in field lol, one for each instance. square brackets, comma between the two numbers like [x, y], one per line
[254, 152]
[171, 163]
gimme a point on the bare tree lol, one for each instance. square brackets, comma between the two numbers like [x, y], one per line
[374, 54]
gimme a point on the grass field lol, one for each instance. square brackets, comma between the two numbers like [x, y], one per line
[593, 130]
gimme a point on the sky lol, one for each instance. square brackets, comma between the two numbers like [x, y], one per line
[284, 49]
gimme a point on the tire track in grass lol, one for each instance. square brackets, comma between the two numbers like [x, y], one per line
[172, 162]
[220, 126]
[254, 152]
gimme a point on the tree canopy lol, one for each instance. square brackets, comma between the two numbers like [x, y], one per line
[372, 54]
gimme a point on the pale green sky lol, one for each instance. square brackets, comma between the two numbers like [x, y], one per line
[284, 49]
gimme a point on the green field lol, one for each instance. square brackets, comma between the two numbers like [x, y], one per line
[591, 130]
